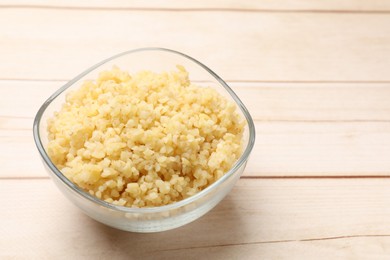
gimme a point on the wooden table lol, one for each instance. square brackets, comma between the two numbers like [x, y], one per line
[315, 76]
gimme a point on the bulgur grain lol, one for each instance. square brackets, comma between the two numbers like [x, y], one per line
[144, 140]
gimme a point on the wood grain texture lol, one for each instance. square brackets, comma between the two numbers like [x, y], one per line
[313, 74]
[348, 248]
[316, 102]
[264, 5]
[331, 218]
[238, 46]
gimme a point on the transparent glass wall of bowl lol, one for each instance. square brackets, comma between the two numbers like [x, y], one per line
[155, 221]
[159, 218]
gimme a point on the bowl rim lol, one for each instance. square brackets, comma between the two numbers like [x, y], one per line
[175, 205]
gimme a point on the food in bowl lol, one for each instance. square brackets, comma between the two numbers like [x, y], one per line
[144, 140]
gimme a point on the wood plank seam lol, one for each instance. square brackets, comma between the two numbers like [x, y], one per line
[12, 178]
[24, 178]
[209, 9]
[233, 81]
[254, 119]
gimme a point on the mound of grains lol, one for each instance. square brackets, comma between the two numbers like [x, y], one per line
[144, 140]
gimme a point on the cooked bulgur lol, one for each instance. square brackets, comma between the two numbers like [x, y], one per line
[144, 140]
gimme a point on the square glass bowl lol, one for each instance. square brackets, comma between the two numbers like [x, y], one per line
[155, 218]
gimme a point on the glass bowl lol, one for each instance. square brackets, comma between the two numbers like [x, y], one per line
[155, 218]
